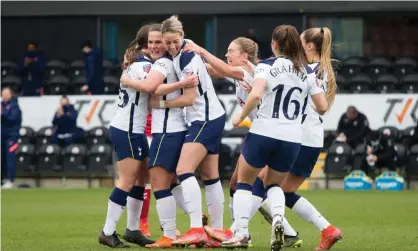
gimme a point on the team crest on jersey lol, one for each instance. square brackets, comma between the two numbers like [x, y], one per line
[147, 68]
[187, 72]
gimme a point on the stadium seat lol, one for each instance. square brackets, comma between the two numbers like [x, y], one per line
[386, 83]
[25, 158]
[407, 135]
[405, 66]
[99, 158]
[359, 156]
[412, 162]
[77, 83]
[73, 158]
[343, 87]
[360, 83]
[401, 151]
[48, 159]
[13, 82]
[8, 68]
[112, 84]
[329, 138]
[352, 67]
[76, 69]
[97, 135]
[338, 159]
[239, 132]
[378, 66]
[225, 87]
[108, 67]
[26, 135]
[55, 67]
[57, 85]
[409, 84]
[393, 132]
[43, 136]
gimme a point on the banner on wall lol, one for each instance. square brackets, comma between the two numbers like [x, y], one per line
[399, 110]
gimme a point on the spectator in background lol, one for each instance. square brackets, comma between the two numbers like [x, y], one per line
[380, 151]
[353, 127]
[11, 121]
[31, 69]
[93, 60]
[65, 122]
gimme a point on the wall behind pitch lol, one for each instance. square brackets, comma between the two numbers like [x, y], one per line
[59, 37]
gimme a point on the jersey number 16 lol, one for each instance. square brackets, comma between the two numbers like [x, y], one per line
[286, 102]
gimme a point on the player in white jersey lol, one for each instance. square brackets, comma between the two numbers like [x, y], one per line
[281, 85]
[239, 50]
[126, 133]
[168, 131]
[206, 117]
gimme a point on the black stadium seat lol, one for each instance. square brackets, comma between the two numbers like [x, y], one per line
[43, 136]
[25, 158]
[405, 66]
[341, 81]
[97, 135]
[8, 68]
[108, 67]
[13, 82]
[360, 83]
[401, 152]
[73, 158]
[393, 131]
[338, 159]
[99, 158]
[112, 85]
[48, 159]
[412, 162]
[409, 83]
[352, 67]
[407, 135]
[26, 135]
[359, 156]
[55, 67]
[378, 66]
[76, 69]
[77, 83]
[386, 83]
[57, 85]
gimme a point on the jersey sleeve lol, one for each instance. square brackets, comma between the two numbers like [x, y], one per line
[163, 66]
[314, 85]
[261, 71]
[139, 70]
[247, 77]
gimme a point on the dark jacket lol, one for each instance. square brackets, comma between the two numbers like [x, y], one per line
[32, 74]
[67, 123]
[355, 130]
[94, 71]
[11, 118]
[384, 149]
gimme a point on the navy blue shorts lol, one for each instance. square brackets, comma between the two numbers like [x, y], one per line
[165, 150]
[207, 133]
[129, 145]
[260, 151]
[305, 161]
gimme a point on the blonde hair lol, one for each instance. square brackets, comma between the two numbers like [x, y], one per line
[172, 24]
[248, 46]
[322, 39]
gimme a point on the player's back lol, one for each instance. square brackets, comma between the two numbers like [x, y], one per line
[132, 111]
[280, 112]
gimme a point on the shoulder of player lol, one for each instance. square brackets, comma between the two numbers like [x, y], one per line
[186, 58]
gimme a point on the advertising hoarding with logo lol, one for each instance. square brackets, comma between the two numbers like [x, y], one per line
[399, 110]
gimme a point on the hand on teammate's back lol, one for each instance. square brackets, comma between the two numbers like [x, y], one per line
[248, 66]
[192, 47]
[124, 79]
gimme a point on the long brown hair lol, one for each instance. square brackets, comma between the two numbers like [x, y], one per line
[138, 46]
[290, 45]
[321, 38]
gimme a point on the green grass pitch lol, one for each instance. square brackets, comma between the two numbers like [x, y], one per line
[64, 220]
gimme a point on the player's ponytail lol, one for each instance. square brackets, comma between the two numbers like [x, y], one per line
[325, 65]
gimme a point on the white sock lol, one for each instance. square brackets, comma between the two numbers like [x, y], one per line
[134, 208]
[114, 212]
[256, 205]
[309, 213]
[215, 200]
[242, 210]
[276, 202]
[178, 196]
[288, 229]
[231, 211]
[193, 200]
[166, 209]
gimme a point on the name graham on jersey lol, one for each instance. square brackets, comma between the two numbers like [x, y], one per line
[288, 69]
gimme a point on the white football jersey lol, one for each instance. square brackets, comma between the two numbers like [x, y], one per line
[207, 106]
[313, 128]
[131, 115]
[280, 113]
[169, 119]
[241, 93]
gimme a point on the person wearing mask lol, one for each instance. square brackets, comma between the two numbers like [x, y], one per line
[353, 127]
[11, 121]
[93, 61]
[31, 70]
